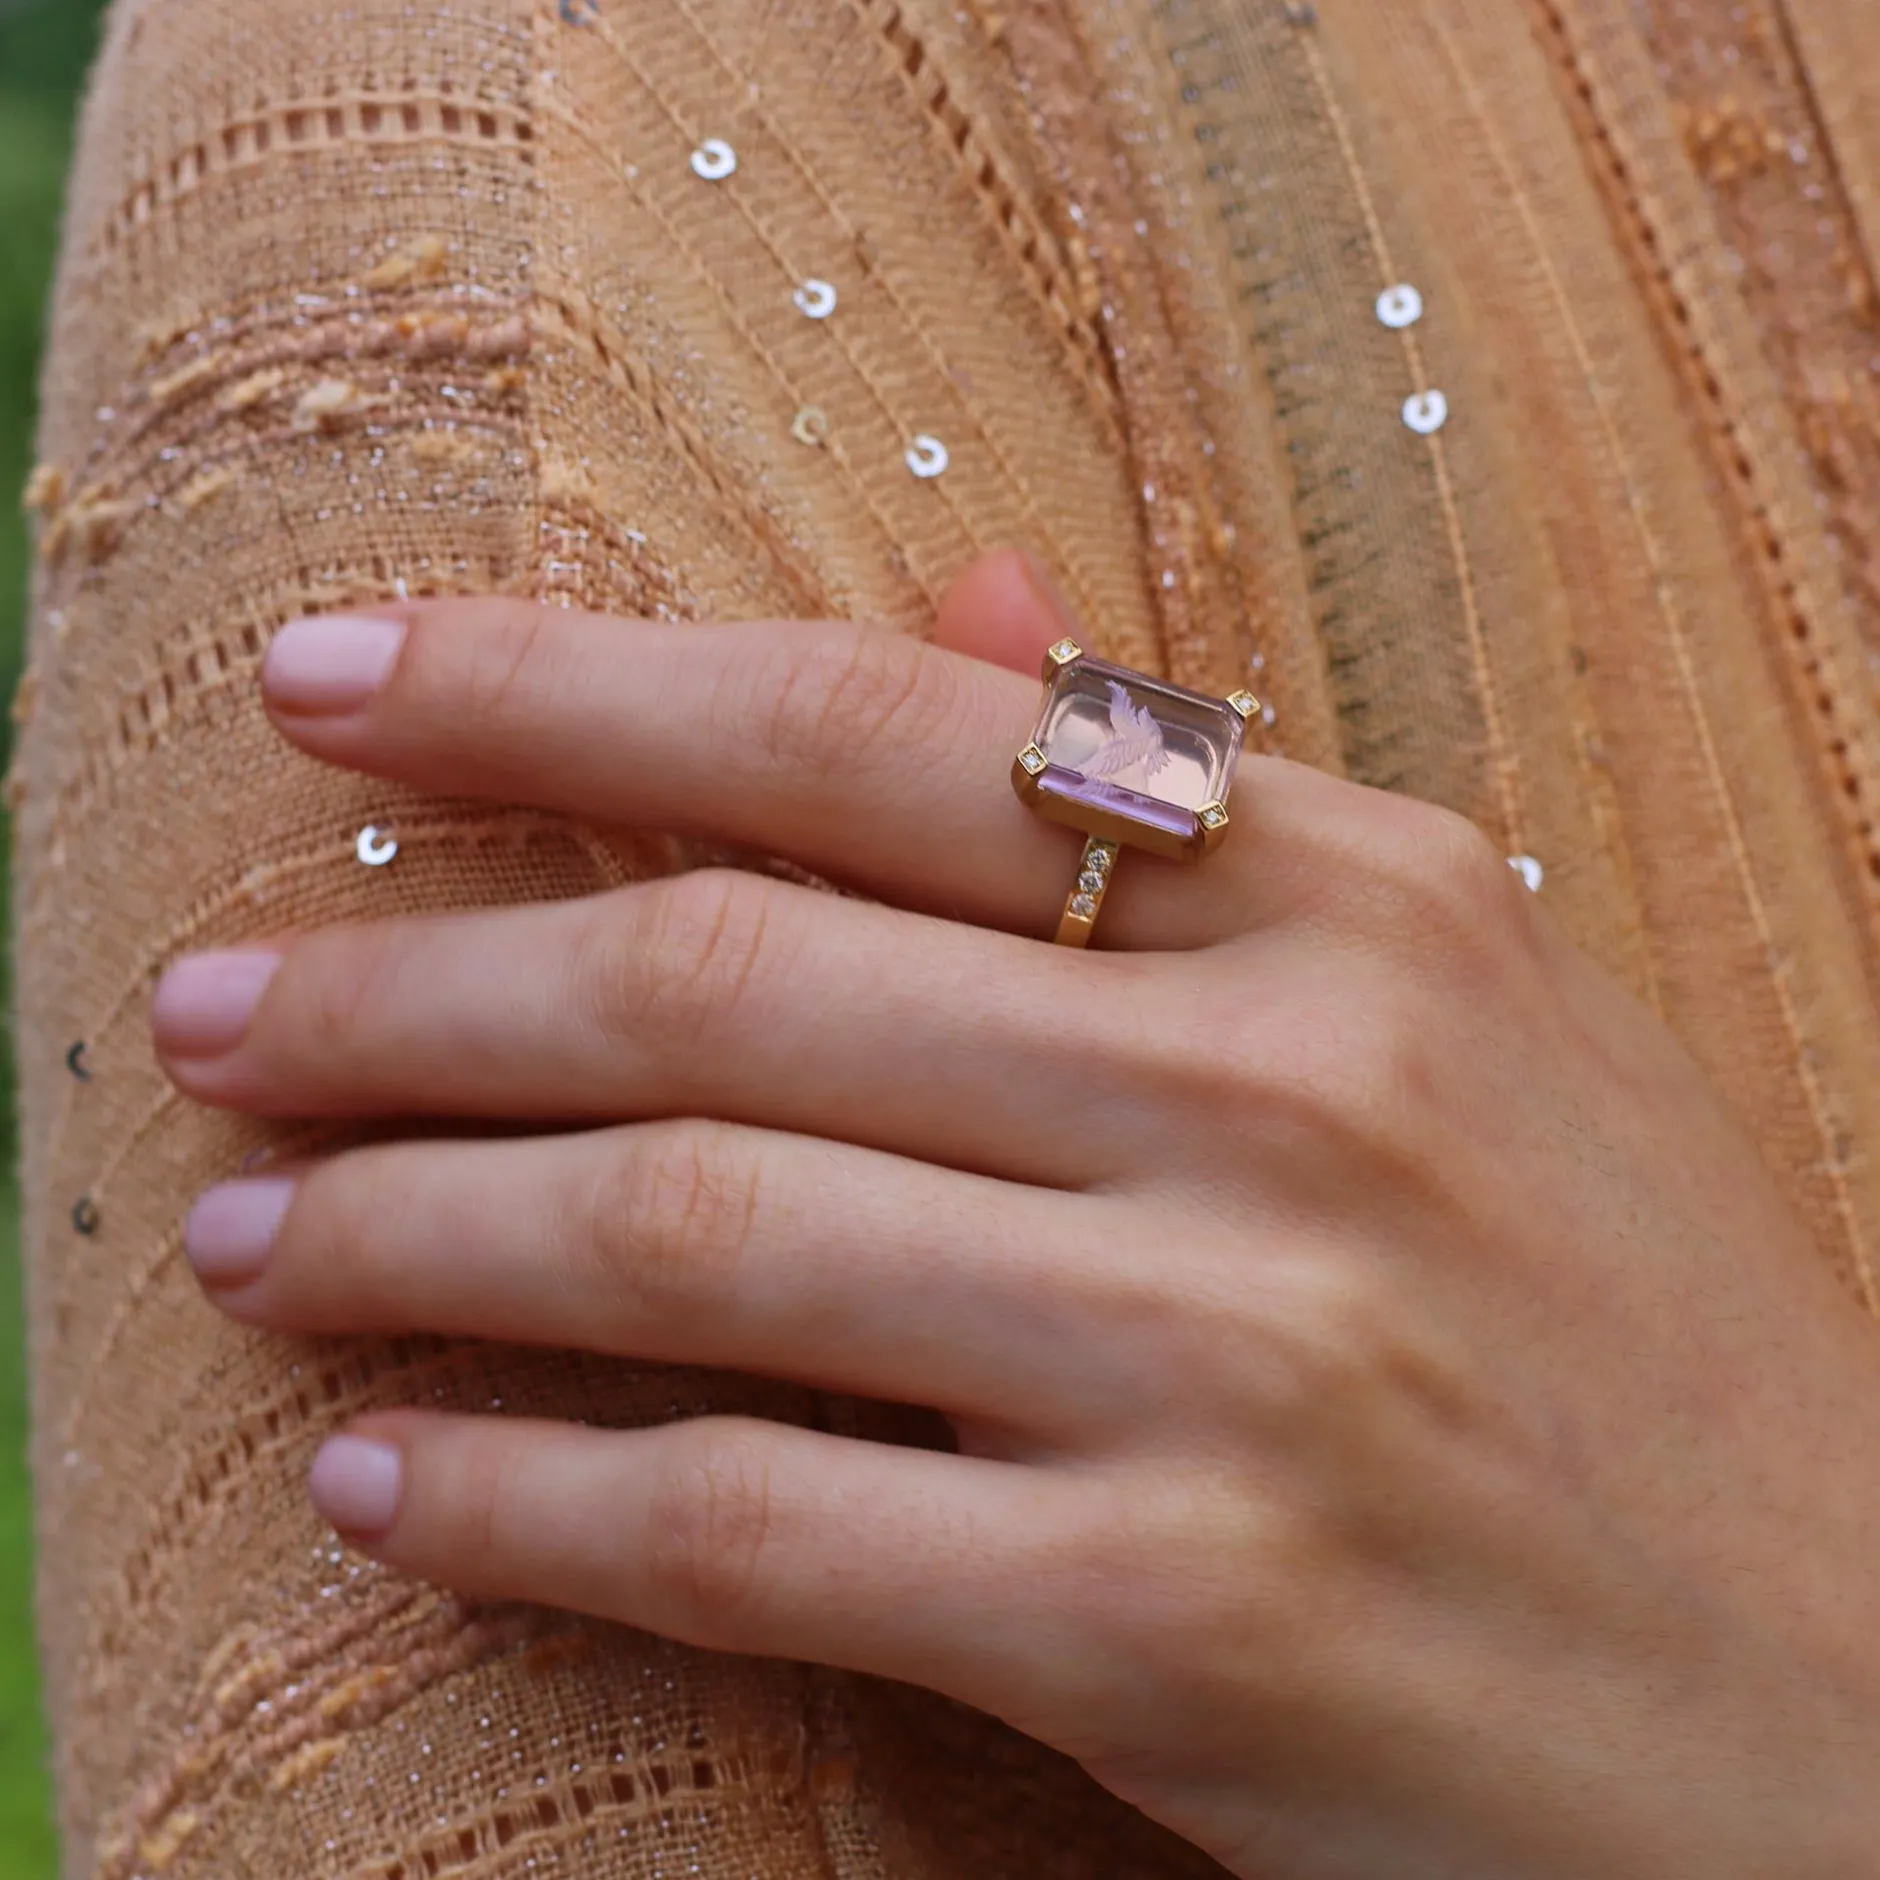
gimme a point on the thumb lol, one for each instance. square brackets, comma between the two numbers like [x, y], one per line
[1006, 610]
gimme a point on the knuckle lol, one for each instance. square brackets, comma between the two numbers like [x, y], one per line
[1326, 1338]
[495, 666]
[484, 1490]
[672, 1219]
[711, 1522]
[1365, 1085]
[1464, 865]
[1179, 1551]
[684, 965]
[1377, 1060]
[845, 695]
[1449, 883]
[337, 985]
[334, 1226]
[710, 938]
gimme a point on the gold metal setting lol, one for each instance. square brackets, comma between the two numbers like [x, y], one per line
[1109, 826]
[1085, 901]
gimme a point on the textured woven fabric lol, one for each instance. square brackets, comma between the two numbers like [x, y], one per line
[375, 296]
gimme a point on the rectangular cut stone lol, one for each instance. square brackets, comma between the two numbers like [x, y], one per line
[1068, 786]
[1135, 750]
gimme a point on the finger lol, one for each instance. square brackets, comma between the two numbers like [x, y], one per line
[734, 1535]
[867, 757]
[1005, 610]
[698, 1244]
[717, 994]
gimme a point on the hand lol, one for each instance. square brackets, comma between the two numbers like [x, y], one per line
[1402, 1431]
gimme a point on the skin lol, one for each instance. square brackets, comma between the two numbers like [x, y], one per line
[1402, 1430]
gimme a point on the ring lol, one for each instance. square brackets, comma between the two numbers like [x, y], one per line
[1131, 761]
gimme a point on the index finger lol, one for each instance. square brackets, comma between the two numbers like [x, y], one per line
[867, 757]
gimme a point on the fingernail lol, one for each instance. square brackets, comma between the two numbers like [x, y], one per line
[356, 1485]
[232, 1229]
[332, 664]
[203, 1005]
[1049, 595]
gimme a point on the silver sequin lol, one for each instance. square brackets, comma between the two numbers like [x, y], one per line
[1426, 412]
[1400, 306]
[927, 456]
[714, 160]
[375, 847]
[817, 299]
[1529, 870]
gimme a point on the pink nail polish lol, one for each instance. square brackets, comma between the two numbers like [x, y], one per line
[357, 1484]
[231, 1231]
[203, 1004]
[330, 665]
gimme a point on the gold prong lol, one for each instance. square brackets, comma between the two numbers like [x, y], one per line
[1066, 653]
[1246, 705]
[1027, 767]
[1213, 820]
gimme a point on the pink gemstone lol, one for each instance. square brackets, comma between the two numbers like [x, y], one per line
[1125, 745]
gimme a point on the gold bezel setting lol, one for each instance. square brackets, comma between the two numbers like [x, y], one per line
[1147, 710]
[1112, 724]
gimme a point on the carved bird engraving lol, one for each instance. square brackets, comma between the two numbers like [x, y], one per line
[1135, 740]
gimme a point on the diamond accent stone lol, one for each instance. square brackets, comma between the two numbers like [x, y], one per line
[1092, 880]
[1212, 817]
[1065, 651]
[1244, 703]
[1084, 906]
[1033, 761]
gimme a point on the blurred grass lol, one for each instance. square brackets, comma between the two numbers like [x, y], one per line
[45, 47]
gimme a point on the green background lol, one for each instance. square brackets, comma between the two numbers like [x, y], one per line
[45, 47]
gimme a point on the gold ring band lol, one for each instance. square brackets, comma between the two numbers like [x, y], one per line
[1085, 900]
